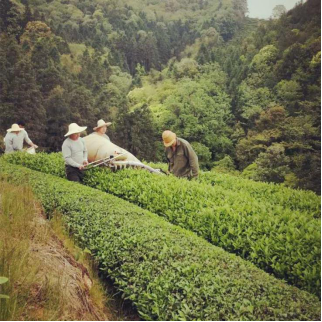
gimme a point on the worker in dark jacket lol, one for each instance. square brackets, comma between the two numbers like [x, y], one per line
[182, 159]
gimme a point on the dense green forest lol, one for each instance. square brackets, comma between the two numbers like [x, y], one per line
[244, 92]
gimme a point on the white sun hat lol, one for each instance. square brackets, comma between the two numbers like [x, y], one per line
[14, 128]
[74, 128]
[101, 123]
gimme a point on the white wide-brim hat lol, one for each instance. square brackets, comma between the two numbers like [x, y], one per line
[14, 128]
[101, 123]
[74, 128]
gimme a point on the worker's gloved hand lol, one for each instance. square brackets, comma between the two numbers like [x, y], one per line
[85, 163]
[81, 167]
[34, 146]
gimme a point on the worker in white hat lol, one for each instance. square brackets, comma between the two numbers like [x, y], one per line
[101, 128]
[10, 140]
[75, 153]
[24, 137]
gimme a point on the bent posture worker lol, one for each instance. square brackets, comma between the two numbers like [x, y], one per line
[182, 159]
[23, 136]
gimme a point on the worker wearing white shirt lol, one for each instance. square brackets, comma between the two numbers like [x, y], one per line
[75, 153]
[23, 137]
[11, 139]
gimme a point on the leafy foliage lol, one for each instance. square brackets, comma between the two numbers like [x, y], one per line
[303, 201]
[2, 281]
[199, 68]
[281, 236]
[167, 272]
[271, 69]
[191, 100]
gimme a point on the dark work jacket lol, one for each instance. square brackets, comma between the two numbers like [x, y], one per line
[183, 161]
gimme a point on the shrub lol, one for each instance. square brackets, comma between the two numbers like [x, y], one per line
[203, 153]
[225, 165]
[167, 272]
[278, 239]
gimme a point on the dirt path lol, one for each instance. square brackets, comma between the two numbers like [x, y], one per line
[72, 278]
[46, 282]
[49, 277]
[59, 268]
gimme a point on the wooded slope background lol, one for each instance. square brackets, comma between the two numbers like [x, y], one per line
[245, 92]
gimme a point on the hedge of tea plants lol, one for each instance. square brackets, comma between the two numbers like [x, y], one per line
[277, 194]
[304, 201]
[280, 240]
[167, 272]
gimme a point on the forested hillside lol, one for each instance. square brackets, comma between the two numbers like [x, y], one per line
[245, 92]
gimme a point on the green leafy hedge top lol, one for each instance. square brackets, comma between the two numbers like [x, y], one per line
[167, 272]
[278, 239]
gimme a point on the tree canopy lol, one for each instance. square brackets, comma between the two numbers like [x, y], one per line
[241, 90]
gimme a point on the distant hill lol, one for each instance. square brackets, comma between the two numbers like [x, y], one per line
[245, 92]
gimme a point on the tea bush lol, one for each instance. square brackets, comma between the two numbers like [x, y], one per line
[301, 200]
[280, 240]
[167, 272]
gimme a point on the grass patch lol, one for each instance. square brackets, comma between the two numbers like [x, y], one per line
[17, 232]
[102, 293]
[49, 277]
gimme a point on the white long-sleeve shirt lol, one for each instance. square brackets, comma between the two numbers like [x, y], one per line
[101, 135]
[11, 143]
[21, 137]
[74, 152]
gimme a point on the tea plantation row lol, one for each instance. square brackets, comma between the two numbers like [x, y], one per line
[281, 241]
[305, 201]
[167, 272]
